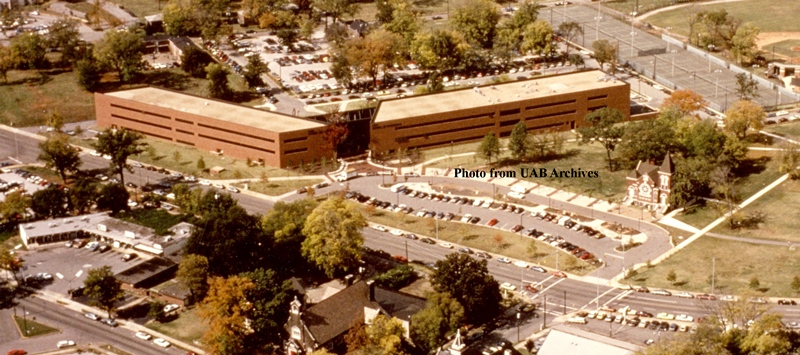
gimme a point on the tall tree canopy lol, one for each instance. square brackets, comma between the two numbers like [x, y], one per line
[120, 143]
[489, 147]
[57, 154]
[744, 115]
[430, 326]
[477, 21]
[285, 222]
[604, 129]
[439, 50]
[122, 51]
[225, 310]
[333, 236]
[685, 101]
[469, 282]
[103, 289]
[193, 273]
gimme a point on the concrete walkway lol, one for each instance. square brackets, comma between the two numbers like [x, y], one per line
[751, 240]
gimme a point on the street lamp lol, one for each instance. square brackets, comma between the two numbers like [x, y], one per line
[633, 33]
[518, 316]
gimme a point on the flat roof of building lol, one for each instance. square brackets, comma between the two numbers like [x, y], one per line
[219, 110]
[568, 340]
[488, 95]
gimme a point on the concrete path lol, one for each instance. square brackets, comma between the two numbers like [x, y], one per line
[751, 240]
[773, 135]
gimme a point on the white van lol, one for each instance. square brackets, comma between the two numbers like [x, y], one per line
[563, 220]
[398, 188]
[519, 188]
[577, 320]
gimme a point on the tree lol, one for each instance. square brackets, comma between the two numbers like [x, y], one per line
[396, 278]
[490, 147]
[49, 203]
[253, 70]
[769, 336]
[337, 8]
[336, 130]
[15, 206]
[113, 197]
[527, 13]
[122, 51]
[377, 52]
[477, 21]
[569, 30]
[217, 77]
[743, 115]
[796, 283]
[685, 101]
[439, 50]
[285, 223]
[404, 21]
[120, 143]
[8, 61]
[604, 52]
[649, 140]
[754, 283]
[576, 60]
[746, 87]
[385, 336]
[58, 154]
[194, 62]
[429, 327]
[10, 262]
[671, 276]
[225, 310]
[193, 273]
[87, 73]
[65, 37]
[519, 142]
[689, 181]
[743, 43]
[469, 282]
[201, 164]
[506, 44]
[157, 310]
[230, 238]
[103, 289]
[270, 297]
[180, 18]
[603, 129]
[538, 37]
[333, 236]
[29, 49]
[82, 195]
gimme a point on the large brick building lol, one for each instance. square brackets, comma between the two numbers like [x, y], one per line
[557, 102]
[221, 127]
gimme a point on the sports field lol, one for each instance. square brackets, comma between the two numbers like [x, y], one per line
[767, 15]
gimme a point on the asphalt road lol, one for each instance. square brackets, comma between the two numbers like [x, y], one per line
[73, 326]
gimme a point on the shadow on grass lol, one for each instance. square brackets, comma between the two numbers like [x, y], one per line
[546, 159]
[751, 167]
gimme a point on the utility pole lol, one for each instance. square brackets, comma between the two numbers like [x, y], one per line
[544, 313]
[565, 302]
[713, 267]
[406, 249]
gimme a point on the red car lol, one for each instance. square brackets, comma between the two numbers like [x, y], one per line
[17, 352]
[492, 222]
[400, 258]
[559, 274]
[531, 288]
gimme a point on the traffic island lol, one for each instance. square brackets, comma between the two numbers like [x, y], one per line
[30, 328]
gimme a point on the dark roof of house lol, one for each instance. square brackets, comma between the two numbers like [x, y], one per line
[399, 305]
[667, 166]
[651, 170]
[141, 272]
[337, 314]
[183, 43]
[359, 26]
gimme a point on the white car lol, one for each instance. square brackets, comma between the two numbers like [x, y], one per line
[477, 202]
[65, 344]
[204, 182]
[219, 186]
[143, 335]
[232, 189]
[161, 342]
[379, 228]
[520, 263]
[396, 232]
[508, 286]
[466, 218]
[504, 260]
[685, 318]
[170, 307]
[684, 295]
[446, 245]
[665, 315]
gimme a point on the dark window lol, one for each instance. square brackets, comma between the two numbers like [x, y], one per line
[598, 97]
[185, 142]
[236, 143]
[236, 133]
[155, 114]
[488, 115]
[184, 132]
[184, 121]
[295, 140]
[551, 104]
[142, 122]
[438, 133]
[293, 151]
[550, 115]
[509, 112]
[508, 123]
[592, 109]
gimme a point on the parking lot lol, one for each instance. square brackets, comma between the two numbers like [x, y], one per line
[57, 259]
[10, 182]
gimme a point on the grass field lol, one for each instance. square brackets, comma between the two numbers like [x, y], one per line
[610, 185]
[188, 327]
[480, 238]
[142, 8]
[736, 263]
[789, 130]
[767, 15]
[27, 101]
[30, 328]
[278, 187]
[783, 218]
[627, 6]
[784, 48]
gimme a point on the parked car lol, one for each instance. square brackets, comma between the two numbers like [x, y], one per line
[65, 344]
[161, 342]
[170, 307]
[109, 322]
[428, 241]
[143, 335]
[129, 257]
[504, 260]
[91, 316]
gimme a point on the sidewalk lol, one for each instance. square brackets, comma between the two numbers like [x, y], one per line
[81, 308]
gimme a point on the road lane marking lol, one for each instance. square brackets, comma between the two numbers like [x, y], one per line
[598, 297]
[548, 287]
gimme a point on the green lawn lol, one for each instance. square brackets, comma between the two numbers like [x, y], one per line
[278, 187]
[188, 327]
[480, 238]
[27, 101]
[789, 130]
[31, 328]
[782, 216]
[590, 157]
[142, 8]
[736, 264]
[767, 15]
[157, 219]
[784, 48]
[699, 216]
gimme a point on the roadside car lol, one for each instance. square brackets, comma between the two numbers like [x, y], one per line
[143, 335]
